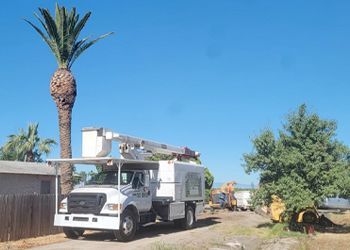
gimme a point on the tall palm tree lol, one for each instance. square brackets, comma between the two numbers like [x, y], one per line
[61, 34]
[26, 145]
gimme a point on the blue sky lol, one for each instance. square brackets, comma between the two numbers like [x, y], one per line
[205, 74]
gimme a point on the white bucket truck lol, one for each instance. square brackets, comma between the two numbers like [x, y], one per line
[130, 191]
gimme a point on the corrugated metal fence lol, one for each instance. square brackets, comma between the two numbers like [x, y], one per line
[26, 215]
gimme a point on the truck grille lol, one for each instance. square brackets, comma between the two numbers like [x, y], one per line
[86, 203]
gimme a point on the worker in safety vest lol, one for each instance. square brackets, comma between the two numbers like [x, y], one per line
[228, 187]
[227, 193]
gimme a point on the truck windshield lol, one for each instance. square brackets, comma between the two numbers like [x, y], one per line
[111, 178]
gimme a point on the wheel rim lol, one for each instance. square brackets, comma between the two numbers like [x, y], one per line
[189, 217]
[128, 225]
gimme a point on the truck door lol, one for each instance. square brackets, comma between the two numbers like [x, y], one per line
[141, 191]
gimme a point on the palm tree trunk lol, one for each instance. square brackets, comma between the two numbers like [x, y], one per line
[64, 121]
[29, 157]
[63, 91]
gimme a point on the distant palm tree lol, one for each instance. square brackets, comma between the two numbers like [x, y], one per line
[61, 35]
[26, 146]
[7, 155]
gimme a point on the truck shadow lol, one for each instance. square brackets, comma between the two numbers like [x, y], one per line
[151, 231]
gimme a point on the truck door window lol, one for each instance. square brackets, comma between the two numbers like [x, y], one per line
[139, 180]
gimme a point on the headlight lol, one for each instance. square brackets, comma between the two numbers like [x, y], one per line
[63, 205]
[113, 207]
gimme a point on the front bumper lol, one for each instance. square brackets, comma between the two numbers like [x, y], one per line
[89, 221]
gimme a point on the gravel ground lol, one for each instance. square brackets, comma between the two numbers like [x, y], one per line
[218, 230]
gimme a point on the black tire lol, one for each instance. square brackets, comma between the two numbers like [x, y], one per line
[309, 217]
[294, 225]
[73, 233]
[127, 227]
[188, 221]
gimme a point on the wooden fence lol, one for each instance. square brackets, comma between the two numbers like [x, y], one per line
[26, 215]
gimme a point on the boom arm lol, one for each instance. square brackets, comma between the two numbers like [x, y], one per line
[97, 142]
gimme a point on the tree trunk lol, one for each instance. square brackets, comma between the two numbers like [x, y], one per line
[63, 91]
[64, 121]
[29, 156]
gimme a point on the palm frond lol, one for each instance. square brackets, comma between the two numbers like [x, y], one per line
[26, 144]
[72, 20]
[80, 25]
[53, 34]
[62, 27]
[45, 146]
[76, 46]
[62, 33]
[85, 45]
[42, 22]
[46, 39]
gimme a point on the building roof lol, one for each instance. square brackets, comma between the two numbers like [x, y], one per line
[19, 167]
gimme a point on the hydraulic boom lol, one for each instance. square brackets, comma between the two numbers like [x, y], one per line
[97, 142]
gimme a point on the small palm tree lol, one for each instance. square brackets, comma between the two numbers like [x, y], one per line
[61, 34]
[27, 145]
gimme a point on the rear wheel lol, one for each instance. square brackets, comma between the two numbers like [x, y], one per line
[188, 221]
[73, 233]
[127, 227]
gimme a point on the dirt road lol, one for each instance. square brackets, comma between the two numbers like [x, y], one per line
[217, 231]
[209, 232]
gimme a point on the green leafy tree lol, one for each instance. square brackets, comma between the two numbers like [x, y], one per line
[61, 34]
[92, 174]
[6, 155]
[303, 165]
[160, 157]
[209, 179]
[79, 177]
[26, 146]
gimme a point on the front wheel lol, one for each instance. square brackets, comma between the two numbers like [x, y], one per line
[127, 227]
[73, 233]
